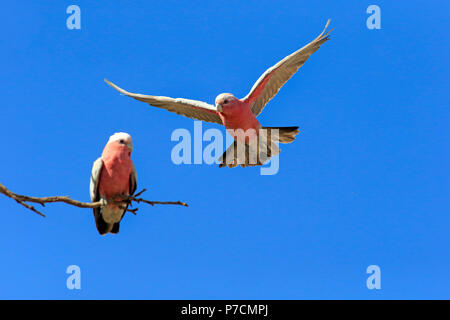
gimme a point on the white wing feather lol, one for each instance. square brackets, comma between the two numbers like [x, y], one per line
[193, 109]
[271, 81]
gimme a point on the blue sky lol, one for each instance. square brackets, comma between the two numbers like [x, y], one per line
[365, 182]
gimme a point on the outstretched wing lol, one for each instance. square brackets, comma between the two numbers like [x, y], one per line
[189, 108]
[271, 81]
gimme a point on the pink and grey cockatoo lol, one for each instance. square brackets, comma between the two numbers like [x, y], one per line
[113, 175]
[241, 114]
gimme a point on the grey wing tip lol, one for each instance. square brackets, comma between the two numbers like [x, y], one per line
[324, 35]
[108, 82]
[116, 87]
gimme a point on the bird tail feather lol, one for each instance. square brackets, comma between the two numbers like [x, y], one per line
[115, 228]
[285, 134]
[102, 226]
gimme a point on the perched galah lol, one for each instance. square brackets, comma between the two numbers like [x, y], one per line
[237, 114]
[113, 176]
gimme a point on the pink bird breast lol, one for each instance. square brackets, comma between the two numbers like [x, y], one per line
[117, 167]
[238, 115]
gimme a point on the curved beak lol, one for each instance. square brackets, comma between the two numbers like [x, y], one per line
[130, 146]
[219, 107]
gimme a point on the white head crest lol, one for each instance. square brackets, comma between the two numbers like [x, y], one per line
[121, 137]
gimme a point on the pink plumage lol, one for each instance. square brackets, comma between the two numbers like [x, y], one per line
[113, 175]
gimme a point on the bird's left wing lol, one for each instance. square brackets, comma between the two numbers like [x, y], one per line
[271, 81]
[189, 108]
[133, 181]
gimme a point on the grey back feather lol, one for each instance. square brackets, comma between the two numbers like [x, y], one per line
[95, 178]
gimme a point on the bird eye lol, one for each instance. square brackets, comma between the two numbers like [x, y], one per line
[225, 101]
[122, 141]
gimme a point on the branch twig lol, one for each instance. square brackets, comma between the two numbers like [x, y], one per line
[22, 200]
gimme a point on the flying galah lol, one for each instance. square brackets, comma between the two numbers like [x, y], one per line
[237, 114]
[113, 175]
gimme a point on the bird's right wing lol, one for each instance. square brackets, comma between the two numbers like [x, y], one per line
[271, 81]
[189, 108]
[95, 178]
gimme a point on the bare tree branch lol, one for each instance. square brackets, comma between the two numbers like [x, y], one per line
[22, 199]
